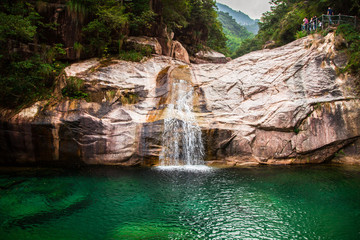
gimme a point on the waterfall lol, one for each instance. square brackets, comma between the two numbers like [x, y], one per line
[181, 140]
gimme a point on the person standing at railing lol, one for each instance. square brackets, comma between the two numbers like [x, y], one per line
[330, 13]
[313, 24]
[305, 24]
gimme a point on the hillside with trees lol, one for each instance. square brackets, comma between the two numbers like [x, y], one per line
[41, 37]
[234, 32]
[241, 18]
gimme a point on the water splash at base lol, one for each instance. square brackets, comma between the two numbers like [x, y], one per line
[185, 168]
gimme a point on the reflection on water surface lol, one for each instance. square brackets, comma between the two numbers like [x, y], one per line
[305, 202]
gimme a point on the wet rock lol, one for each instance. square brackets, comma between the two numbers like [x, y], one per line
[349, 155]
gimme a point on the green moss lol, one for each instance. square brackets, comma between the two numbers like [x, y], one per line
[112, 93]
[340, 153]
[74, 89]
[129, 98]
[296, 130]
[317, 106]
[132, 56]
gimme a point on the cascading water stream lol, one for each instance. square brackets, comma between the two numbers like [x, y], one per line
[182, 143]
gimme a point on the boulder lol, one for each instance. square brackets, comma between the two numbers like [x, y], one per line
[210, 57]
[179, 52]
[269, 44]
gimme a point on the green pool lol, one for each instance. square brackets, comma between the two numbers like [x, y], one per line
[306, 202]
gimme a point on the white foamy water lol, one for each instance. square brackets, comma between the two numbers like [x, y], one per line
[187, 168]
[181, 140]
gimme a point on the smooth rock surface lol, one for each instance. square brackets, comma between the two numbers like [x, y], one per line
[281, 106]
[210, 57]
[179, 52]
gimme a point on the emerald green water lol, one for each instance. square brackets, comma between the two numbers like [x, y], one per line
[309, 202]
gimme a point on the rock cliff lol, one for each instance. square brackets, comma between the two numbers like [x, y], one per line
[281, 106]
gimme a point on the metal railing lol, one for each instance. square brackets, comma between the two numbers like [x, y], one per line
[326, 21]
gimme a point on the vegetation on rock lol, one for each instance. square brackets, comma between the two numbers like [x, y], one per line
[74, 88]
[282, 23]
[352, 49]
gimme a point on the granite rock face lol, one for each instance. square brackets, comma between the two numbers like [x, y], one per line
[210, 57]
[281, 106]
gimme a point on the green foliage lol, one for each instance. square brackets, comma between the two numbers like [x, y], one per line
[131, 55]
[78, 48]
[112, 14]
[143, 22]
[300, 34]
[15, 26]
[216, 38]
[234, 32]
[129, 98]
[340, 153]
[33, 53]
[77, 6]
[106, 29]
[352, 37]
[194, 23]
[137, 54]
[24, 81]
[74, 89]
[25, 76]
[97, 36]
[296, 130]
[283, 22]
[247, 46]
[176, 14]
[55, 52]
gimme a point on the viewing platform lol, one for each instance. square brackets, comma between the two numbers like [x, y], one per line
[325, 21]
[328, 20]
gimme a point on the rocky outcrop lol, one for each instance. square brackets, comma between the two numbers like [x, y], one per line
[138, 42]
[169, 47]
[282, 106]
[179, 52]
[210, 57]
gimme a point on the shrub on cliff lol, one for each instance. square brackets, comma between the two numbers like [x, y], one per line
[352, 37]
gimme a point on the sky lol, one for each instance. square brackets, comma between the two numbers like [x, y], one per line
[253, 8]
